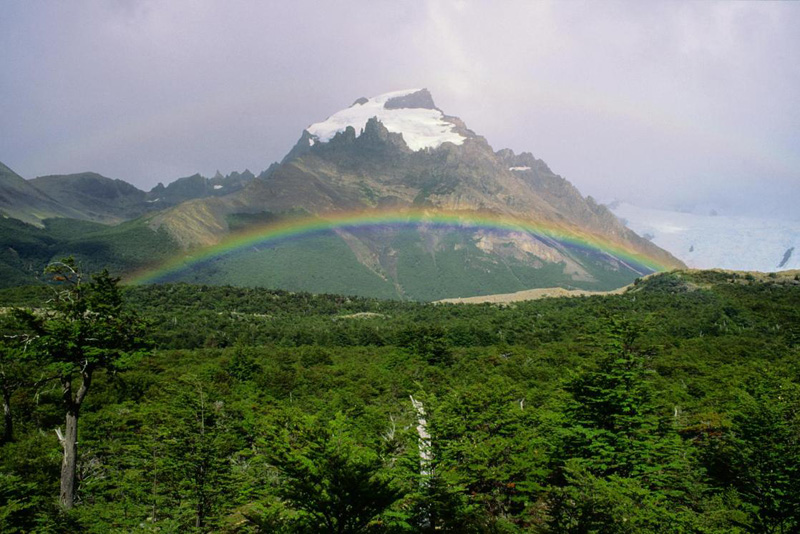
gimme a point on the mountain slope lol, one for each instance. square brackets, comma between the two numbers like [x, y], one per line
[25, 249]
[198, 186]
[19, 199]
[95, 197]
[395, 154]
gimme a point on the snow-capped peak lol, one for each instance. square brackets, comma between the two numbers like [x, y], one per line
[410, 112]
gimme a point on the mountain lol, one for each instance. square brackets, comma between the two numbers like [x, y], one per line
[718, 241]
[91, 196]
[21, 200]
[397, 152]
[55, 216]
[198, 186]
[450, 216]
[94, 197]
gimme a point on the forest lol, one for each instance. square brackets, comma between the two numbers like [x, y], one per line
[673, 407]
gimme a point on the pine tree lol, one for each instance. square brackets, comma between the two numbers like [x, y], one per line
[335, 484]
[12, 377]
[625, 468]
[762, 454]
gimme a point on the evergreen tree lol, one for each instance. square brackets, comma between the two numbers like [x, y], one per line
[334, 484]
[625, 467]
[761, 455]
[12, 377]
[486, 447]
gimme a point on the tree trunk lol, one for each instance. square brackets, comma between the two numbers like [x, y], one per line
[70, 460]
[8, 428]
[69, 440]
[425, 459]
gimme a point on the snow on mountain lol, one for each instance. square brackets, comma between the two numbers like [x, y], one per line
[400, 112]
[709, 241]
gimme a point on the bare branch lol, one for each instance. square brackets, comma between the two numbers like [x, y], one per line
[389, 435]
[62, 264]
[27, 339]
[87, 381]
[43, 381]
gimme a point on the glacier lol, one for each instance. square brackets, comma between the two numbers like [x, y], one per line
[717, 241]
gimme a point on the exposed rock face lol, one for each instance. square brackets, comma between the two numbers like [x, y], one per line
[198, 186]
[409, 112]
[786, 257]
[420, 99]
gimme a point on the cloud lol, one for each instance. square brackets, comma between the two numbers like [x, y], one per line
[661, 103]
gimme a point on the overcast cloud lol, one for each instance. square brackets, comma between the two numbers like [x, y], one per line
[659, 103]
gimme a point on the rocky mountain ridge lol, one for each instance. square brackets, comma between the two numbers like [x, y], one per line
[376, 169]
[93, 197]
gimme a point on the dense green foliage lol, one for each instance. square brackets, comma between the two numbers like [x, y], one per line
[674, 407]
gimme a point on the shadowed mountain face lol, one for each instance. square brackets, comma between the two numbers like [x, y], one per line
[95, 197]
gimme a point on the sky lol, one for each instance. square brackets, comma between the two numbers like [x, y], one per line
[693, 105]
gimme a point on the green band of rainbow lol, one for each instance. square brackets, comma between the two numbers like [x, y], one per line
[302, 227]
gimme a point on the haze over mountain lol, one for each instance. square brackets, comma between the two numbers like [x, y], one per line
[21, 200]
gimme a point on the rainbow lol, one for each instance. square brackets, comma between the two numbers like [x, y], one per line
[298, 228]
